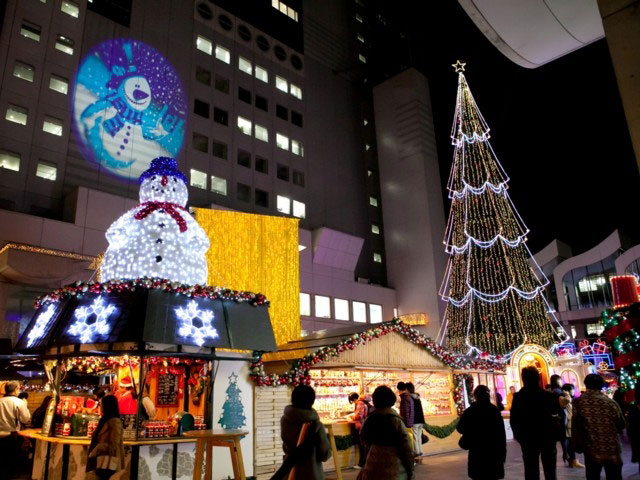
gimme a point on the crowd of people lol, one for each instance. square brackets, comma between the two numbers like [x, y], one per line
[390, 439]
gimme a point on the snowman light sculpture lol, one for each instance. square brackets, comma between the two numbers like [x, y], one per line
[158, 238]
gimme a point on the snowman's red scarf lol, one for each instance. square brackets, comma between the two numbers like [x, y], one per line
[170, 208]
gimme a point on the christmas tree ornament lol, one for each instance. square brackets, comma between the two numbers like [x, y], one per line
[158, 238]
[495, 300]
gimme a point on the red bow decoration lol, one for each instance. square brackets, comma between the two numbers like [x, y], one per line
[599, 346]
[585, 347]
[170, 208]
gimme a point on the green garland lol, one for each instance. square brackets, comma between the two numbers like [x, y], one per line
[442, 431]
[344, 442]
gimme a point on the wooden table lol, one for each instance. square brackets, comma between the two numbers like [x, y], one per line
[217, 438]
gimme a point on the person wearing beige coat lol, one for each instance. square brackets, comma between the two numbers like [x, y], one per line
[106, 451]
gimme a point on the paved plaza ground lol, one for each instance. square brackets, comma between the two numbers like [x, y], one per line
[453, 466]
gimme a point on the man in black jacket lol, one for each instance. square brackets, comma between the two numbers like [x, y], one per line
[534, 426]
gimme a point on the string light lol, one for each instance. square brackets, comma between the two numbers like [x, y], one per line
[199, 330]
[158, 238]
[87, 331]
[40, 326]
[494, 295]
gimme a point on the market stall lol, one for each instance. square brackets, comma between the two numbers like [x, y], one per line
[340, 362]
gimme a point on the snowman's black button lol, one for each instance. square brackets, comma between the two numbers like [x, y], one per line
[159, 240]
[161, 225]
[158, 258]
[161, 210]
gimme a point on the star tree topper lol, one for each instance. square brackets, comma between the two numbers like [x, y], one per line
[458, 66]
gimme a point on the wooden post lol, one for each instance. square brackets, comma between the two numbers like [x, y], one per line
[334, 451]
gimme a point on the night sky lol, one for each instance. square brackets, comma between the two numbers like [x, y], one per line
[558, 130]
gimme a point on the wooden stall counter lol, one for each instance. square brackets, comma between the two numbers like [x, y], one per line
[36, 435]
[217, 438]
[344, 458]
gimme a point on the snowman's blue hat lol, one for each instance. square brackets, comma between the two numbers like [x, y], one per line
[163, 166]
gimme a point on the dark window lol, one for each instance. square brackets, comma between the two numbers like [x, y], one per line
[244, 158]
[201, 108]
[296, 62]
[282, 112]
[262, 165]
[298, 178]
[203, 75]
[296, 118]
[200, 142]
[219, 149]
[244, 192]
[244, 95]
[244, 33]
[204, 11]
[263, 43]
[280, 53]
[222, 84]
[117, 10]
[225, 22]
[262, 198]
[283, 172]
[262, 103]
[220, 116]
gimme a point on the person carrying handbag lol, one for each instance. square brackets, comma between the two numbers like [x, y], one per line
[106, 451]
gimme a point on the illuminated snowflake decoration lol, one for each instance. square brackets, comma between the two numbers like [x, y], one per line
[195, 324]
[86, 330]
[41, 324]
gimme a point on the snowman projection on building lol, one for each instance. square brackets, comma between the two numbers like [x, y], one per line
[129, 106]
[158, 238]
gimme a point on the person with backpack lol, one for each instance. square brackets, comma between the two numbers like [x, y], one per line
[360, 413]
[535, 423]
[418, 419]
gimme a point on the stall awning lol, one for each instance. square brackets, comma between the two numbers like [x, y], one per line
[147, 315]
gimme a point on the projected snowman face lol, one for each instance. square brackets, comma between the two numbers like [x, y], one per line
[137, 93]
[164, 188]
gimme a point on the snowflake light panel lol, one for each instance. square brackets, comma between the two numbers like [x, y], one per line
[195, 323]
[87, 330]
[41, 324]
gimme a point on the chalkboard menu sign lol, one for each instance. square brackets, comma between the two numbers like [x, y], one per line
[167, 391]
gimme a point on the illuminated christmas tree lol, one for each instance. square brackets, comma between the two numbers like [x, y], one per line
[495, 298]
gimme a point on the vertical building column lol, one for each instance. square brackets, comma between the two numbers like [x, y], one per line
[621, 20]
[411, 195]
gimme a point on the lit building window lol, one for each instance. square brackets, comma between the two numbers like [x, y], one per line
[9, 160]
[595, 328]
[375, 313]
[362, 58]
[299, 209]
[218, 185]
[296, 91]
[31, 31]
[285, 9]
[204, 45]
[16, 114]
[283, 204]
[365, 122]
[282, 84]
[59, 84]
[574, 334]
[52, 125]
[592, 283]
[223, 54]
[244, 125]
[323, 306]
[341, 308]
[360, 38]
[305, 304]
[369, 172]
[261, 133]
[373, 201]
[198, 179]
[261, 74]
[367, 147]
[296, 148]
[23, 71]
[377, 258]
[46, 170]
[64, 44]
[70, 8]
[359, 312]
[395, 312]
[375, 229]
[245, 66]
[358, 18]
[282, 141]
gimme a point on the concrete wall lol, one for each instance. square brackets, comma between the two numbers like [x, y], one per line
[411, 194]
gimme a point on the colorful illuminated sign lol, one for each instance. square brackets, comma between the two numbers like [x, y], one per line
[129, 106]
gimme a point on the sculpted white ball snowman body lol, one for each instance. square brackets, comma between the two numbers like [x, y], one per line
[158, 238]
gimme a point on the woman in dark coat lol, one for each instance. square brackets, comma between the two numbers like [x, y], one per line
[482, 430]
[633, 426]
